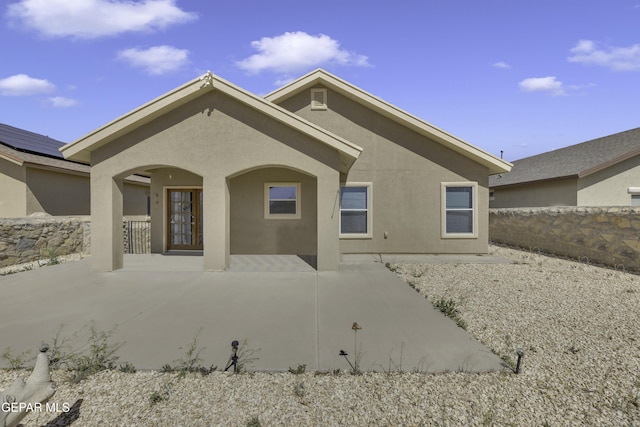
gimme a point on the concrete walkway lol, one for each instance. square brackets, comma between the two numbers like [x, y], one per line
[287, 312]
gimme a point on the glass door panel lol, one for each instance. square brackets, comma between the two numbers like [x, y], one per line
[185, 219]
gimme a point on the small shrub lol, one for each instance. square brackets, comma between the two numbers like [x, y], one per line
[391, 267]
[299, 370]
[246, 357]
[127, 368]
[53, 256]
[161, 395]
[449, 308]
[100, 355]
[254, 422]
[191, 361]
[16, 361]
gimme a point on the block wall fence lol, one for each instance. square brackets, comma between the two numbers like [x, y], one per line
[31, 239]
[600, 235]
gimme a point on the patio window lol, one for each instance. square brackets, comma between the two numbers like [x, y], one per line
[355, 210]
[459, 217]
[282, 200]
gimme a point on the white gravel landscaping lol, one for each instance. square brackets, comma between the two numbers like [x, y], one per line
[577, 324]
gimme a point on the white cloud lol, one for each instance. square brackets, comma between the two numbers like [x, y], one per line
[542, 84]
[62, 102]
[156, 60]
[298, 51]
[97, 18]
[614, 58]
[501, 64]
[22, 85]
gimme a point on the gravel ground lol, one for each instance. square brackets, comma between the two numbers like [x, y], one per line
[577, 324]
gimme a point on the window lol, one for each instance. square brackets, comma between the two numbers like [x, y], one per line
[355, 210]
[459, 217]
[318, 99]
[635, 195]
[282, 200]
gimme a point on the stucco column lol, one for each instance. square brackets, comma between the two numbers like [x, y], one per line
[106, 223]
[215, 194]
[328, 221]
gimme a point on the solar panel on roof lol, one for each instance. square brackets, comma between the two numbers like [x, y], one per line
[31, 142]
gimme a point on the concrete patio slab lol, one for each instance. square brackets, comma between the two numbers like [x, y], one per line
[159, 304]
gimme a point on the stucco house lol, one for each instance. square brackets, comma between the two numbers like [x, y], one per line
[34, 177]
[319, 167]
[600, 172]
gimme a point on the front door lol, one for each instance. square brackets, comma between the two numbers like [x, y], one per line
[184, 214]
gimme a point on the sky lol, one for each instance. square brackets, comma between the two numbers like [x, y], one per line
[519, 77]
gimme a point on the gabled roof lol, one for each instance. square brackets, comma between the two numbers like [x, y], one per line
[575, 161]
[22, 147]
[319, 76]
[80, 150]
[29, 142]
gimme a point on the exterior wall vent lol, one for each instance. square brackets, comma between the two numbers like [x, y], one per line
[318, 99]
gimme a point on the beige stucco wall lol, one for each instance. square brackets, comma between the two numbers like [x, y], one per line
[609, 187]
[549, 193]
[135, 201]
[60, 193]
[57, 193]
[406, 170]
[216, 138]
[252, 233]
[13, 190]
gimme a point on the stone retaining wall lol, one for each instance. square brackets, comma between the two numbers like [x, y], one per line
[30, 239]
[602, 235]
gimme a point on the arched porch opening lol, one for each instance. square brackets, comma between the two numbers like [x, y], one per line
[274, 211]
[174, 210]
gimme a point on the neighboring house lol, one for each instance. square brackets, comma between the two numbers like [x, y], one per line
[34, 177]
[600, 172]
[319, 167]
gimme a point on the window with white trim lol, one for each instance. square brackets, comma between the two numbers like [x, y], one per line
[282, 200]
[635, 200]
[355, 210]
[459, 212]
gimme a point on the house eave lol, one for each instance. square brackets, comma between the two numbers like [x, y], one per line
[80, 150]
[608, 164]
[495, 165]
[535, 181]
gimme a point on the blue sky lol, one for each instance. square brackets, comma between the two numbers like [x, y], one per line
[514, 75]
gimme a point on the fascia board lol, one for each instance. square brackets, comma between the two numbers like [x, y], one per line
[394, 113]
[80, 149]
[608, 164]
[292, 120]
[535, 181]
[11, 159]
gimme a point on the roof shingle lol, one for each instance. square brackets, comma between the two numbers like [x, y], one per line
[574, 161]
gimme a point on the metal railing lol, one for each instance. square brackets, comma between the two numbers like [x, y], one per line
[137, 237]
